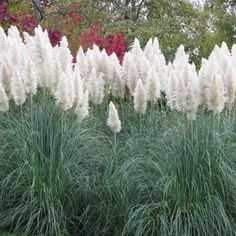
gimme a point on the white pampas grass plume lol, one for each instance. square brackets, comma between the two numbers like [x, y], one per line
[17, 89]
[152, 86]
[143, 66]
[63, 95]
[4, 105]
[180, 95]
[55, 76]
[79, 89]
[82, 63]
[191, 102]
[96, 88]
[234, 54]
[113, 120]
[30, 78]
[140, 100]
[132, 78]
[181, 58]
[171, 90]
[215, 98]
[230, 83]
[82, 109]
[117, 84]
[5, 79]
[3, 40]
[64, 56]
[156, 47]
[81, 102]
[136, 49]
[161, 69]
[148, 50]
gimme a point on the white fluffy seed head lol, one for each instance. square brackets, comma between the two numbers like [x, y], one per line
[17, 89]
[229, 79]
[64, 94]
[132, 78]
[4, 105]
[152, 86]
[191, 102]
[180, 95]
[113, 120]
[30, 78]
[5, 78]
[82, 109]
[215, 94]
[96, 88]
[117, 84]
[171, 90]
[140, 100]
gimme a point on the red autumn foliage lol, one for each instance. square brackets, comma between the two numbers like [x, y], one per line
[72, 18]
[55, 36]
[20, 19]
[111, 43]
[116, 43]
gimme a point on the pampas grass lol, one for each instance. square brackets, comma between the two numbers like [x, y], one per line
[65, 170]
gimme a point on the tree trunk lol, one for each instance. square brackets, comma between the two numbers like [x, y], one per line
[38, 10]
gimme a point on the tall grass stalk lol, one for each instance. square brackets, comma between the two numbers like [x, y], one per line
[169, 177]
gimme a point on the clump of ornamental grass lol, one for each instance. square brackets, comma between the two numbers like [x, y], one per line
[42, 153]
[187, 187]
[167, 175]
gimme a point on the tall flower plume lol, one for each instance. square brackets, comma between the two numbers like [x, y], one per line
[18, 90]
[215, 94]
[152, 86]
[64, 95]
[4, 105]
[140, 100]
[95, 88]
[113, 120]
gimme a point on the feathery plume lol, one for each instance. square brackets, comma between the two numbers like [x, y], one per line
[4, 105]
[215, 98]
[113, 120]
[140, 100]
[191, 102]
[5, 79]
[30, 78]
[82, 109]
[132, 78]
[230, 83]
[17, 89]
[171, 90]
[117, 84]
[152, 86]
[95, 88]
[63, 95]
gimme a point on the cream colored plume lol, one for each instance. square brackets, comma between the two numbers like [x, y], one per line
[82, 109]
[132, 78]
[191, 106]
[215, 94]
[95, 88]
[230, 82]
[17, 88]
[152, 86]
[30, 78]
[82, 63]
[64, 94]
[113, 120]
[171, 90]
[140, 100]
[4, 105]
[180, 95]
[5, 78]
[117, 84]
